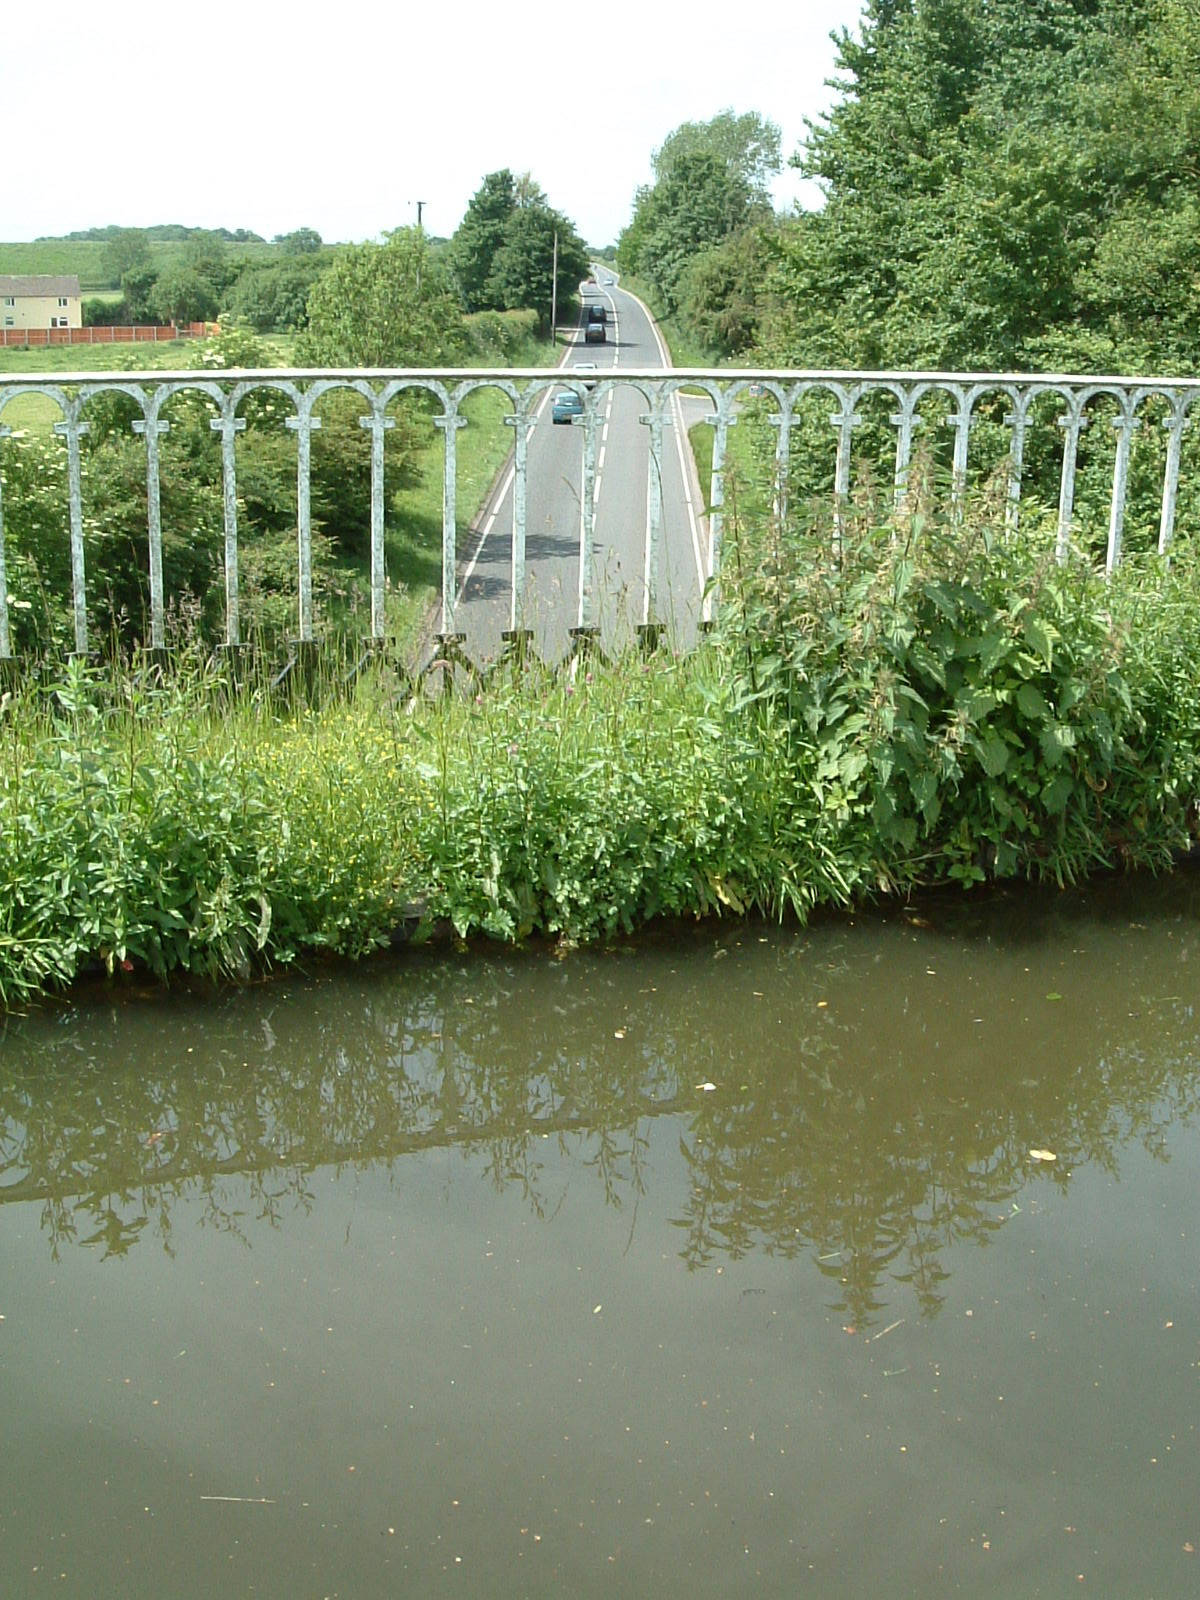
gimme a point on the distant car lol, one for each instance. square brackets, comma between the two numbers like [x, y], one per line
[608, 282]
[595, 333]
[596, 312]
[567, 404]
[586, 366]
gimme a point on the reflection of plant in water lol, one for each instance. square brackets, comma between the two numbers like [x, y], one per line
[870, 1149]
[879, 1168]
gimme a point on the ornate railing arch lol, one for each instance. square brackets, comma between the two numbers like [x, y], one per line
[779, 394]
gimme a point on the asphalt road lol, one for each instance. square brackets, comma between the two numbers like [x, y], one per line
[616, 598]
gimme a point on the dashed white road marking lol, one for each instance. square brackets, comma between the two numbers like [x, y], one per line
[684, 474]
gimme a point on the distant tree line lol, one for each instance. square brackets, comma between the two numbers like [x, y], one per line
[503, 257]
[205, 274]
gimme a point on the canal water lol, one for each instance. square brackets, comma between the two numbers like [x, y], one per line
[854, 1261]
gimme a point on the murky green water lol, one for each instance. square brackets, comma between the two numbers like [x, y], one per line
[717, 1266]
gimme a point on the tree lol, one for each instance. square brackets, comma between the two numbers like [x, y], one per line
[987, 173]
[695, 206]
[711, 181]
[388, 305]
[749, 145]
[137, 284]
[503, 250]
[522, 274]
[182, 295]
[300, 242]
[274, 298]
[479, 236]
[127, 249]
[719, 292]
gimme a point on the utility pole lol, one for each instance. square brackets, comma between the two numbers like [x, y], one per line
[420, 205]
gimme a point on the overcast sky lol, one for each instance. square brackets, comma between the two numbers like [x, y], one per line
[270, 116]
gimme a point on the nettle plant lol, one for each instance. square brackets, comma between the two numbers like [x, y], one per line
[958, 698]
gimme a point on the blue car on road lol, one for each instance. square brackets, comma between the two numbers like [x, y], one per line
[567, 404]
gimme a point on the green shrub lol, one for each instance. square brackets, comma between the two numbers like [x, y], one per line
[920, 701]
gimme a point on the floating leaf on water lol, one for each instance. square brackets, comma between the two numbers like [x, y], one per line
[706, 1087]
[1042, 1155]
[1053, 996]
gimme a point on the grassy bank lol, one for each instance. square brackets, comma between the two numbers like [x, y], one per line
[91, 261]
[683, 347]
[937, 705]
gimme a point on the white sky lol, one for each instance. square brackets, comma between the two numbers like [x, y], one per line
[272, 116]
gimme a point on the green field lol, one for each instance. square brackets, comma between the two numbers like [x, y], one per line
[38, 412]
[87, 258]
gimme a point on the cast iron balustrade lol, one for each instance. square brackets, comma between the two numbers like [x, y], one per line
[782, 393]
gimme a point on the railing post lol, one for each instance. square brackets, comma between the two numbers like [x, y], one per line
[1125, 425]
[587, 521]
[960, 421]
[653, 420]
[153, 431]
[1072, 423]
[72, 429]
[5, 638]
[378, 423]
[303, 425]
[720, 421]
[781, 421]
[845, 421]
[450, 422]
[1176, 424]
[520, 423]
[229, 426]
[906, 422]
[1016, 421]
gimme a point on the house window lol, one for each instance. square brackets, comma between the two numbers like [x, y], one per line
[9, 300]
[9, 322]
[60, 322]
[62, 300]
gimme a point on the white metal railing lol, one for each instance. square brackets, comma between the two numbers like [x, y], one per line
[1127, 400]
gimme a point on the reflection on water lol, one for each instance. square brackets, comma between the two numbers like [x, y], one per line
[829, 1123]
[860, 1095]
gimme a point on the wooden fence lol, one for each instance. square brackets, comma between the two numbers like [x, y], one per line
[39, 338]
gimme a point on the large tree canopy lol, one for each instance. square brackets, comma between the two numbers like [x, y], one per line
[749, 145]
[710, 184]
[383, 305]
[503, 251]
[1010, 184]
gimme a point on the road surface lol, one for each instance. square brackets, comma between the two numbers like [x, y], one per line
[616, 600]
